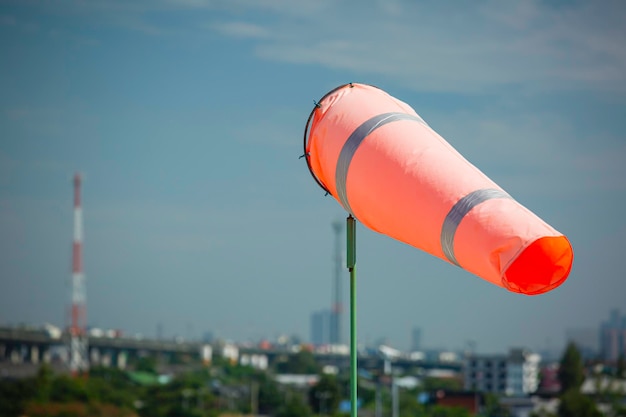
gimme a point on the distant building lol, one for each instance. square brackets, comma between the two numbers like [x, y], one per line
[320, 327]
[515, 374]
[255, 361]
[549, 382]
[613, 337]
[206, 354]
[208, 337]
[230, 351]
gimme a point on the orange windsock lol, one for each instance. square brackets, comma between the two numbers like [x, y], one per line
[397, 176]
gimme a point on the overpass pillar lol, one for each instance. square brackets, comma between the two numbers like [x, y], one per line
[122, 359]
[46, 356]
[94, 356]
[16, 354]
[107, 358]
[34, 354]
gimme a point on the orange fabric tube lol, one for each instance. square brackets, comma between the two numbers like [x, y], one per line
[397, 176]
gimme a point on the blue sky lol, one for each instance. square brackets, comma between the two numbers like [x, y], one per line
[186, 119]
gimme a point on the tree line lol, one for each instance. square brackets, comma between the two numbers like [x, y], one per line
[224, 388]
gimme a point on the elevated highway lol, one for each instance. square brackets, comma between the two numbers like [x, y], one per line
[33, 346]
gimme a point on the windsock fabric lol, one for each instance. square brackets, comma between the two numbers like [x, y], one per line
[397, 176]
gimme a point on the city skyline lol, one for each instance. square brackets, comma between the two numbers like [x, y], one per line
[186, 119]
[589, 340]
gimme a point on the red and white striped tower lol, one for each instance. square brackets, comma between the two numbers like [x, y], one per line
[79, 361]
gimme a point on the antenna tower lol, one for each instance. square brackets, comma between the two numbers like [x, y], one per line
[79, 362]
[337, 310]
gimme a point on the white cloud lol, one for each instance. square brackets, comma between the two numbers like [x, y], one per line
[241, 30]
[437, 46]
[534, 154]
[24, 26]
[462, 49]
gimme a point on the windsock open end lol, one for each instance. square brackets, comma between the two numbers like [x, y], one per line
[541, 267]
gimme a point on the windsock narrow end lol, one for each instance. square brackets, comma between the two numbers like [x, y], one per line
[541, 267]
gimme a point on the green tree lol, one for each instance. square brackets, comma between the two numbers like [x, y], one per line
[169, 400]
[43, 383]
[620, 372]
[367, 394]
[270, 397]
[302, 362]
[188, 395]
[324, 397]
[294, 407]
[571, 374]
[101, 391]
[146, 364]
[450, 384]
[112, 386]
[493, 407]
[575, 404]
[14, 395]
[113, 376]
[407, 402]
[67, 389]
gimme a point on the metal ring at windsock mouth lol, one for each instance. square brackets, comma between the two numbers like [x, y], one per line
[306, 132]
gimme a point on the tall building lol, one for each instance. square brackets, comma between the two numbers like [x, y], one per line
[416, 339]
[515, 374]
[613, 337]
[320, 327]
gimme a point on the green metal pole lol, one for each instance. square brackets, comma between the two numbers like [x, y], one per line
[351, 263]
